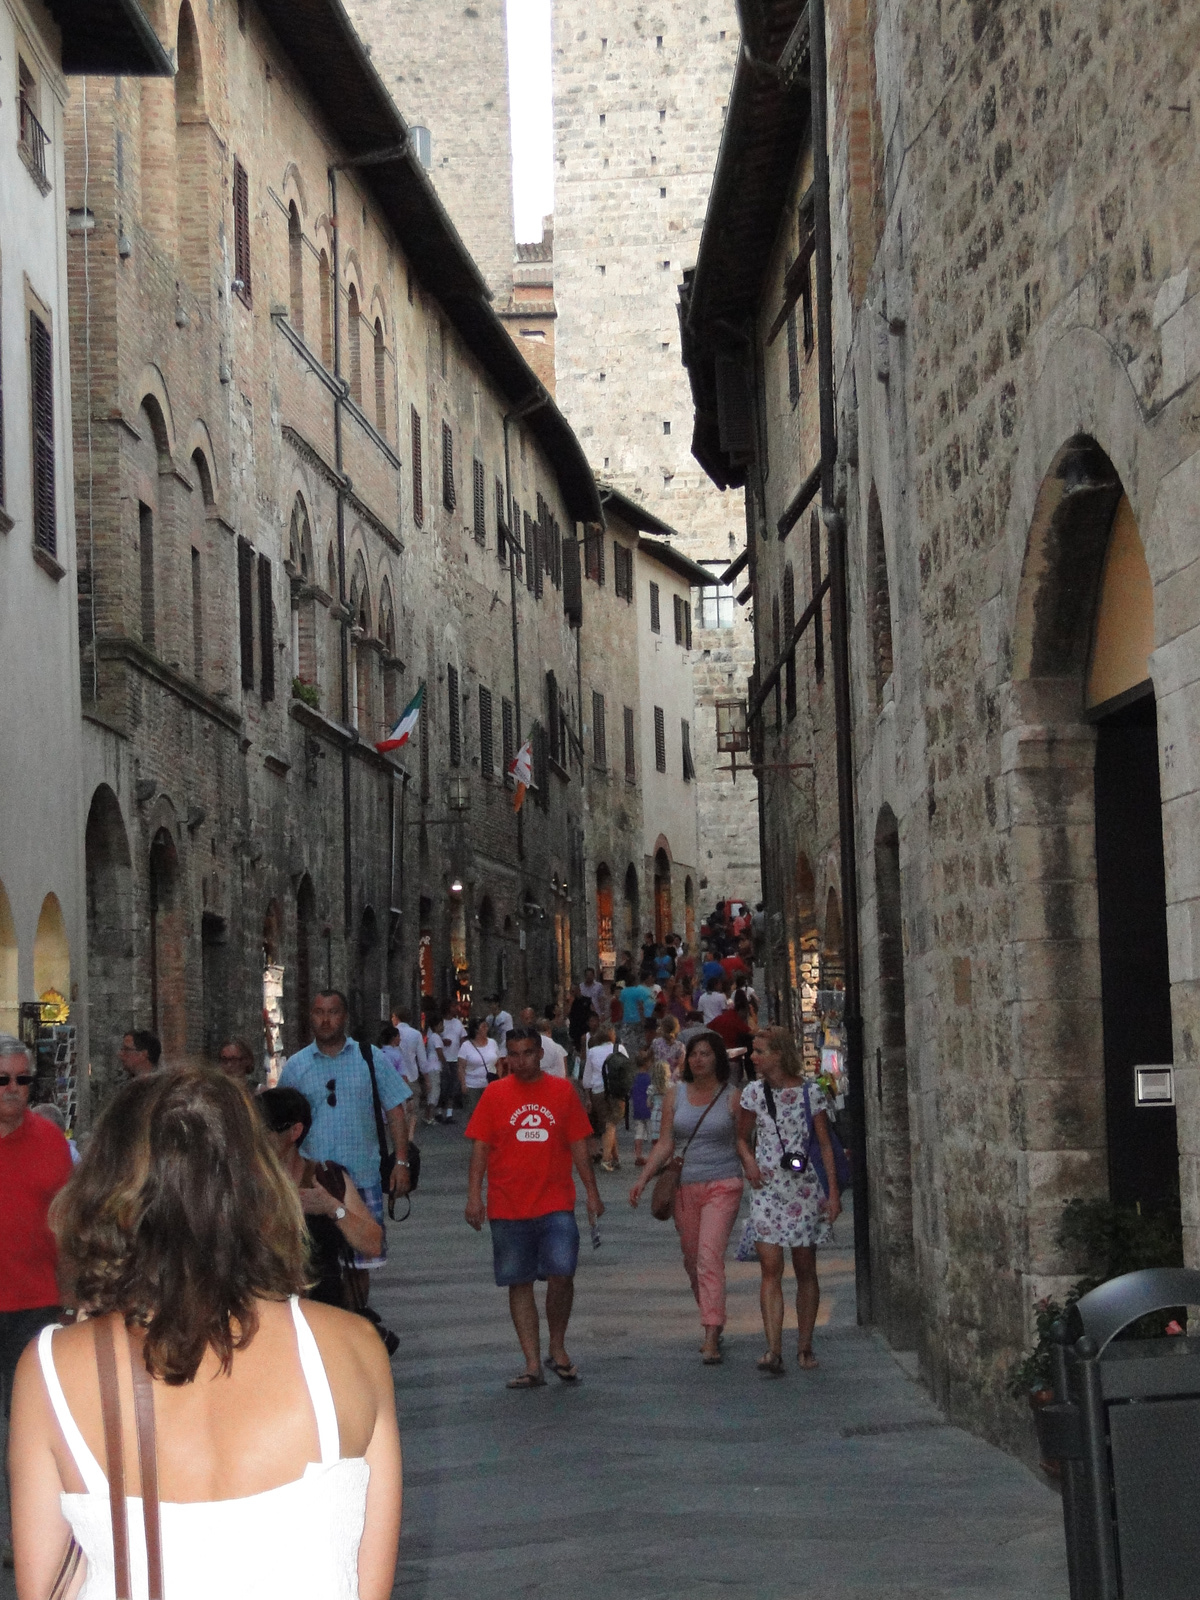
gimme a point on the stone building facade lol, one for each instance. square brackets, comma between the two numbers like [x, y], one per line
[43, 960]
[319, 478]
[640, 92]
[1015, 381]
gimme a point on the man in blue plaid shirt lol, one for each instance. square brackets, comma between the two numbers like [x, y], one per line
[332, 1075]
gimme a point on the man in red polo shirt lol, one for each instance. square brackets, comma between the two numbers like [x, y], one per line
[529, 1130]
[35, 1162]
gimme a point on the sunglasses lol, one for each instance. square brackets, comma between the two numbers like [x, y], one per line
[21, 1079]
[331, 1096]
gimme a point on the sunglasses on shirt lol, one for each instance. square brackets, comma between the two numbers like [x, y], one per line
[331, 1095]
[21, 1079]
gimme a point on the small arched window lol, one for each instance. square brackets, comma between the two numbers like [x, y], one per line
[380, 379]
[879, 598]
[296, 268]
[326, 310]
[354, 345]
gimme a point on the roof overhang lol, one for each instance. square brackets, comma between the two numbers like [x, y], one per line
[631, 513]
[683, 566]
[104, 38]
[332, 63]
[765, 135]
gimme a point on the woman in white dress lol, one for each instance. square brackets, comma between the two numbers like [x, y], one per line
[788, 1210]
[273, 1426]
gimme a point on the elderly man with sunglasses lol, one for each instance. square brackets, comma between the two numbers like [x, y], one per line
[333, 1076]
[35, 1162]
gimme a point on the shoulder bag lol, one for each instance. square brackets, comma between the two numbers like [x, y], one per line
[114, 1450]
[666, 1185]
[387, 1159]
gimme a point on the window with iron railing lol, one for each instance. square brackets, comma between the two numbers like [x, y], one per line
[34, 139]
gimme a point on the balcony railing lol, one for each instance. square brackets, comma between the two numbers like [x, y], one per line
[34, 140]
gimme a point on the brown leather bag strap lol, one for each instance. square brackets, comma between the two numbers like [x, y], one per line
[114, 1451]
[143, 1411]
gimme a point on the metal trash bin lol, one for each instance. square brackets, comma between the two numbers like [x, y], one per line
[1125, 1424]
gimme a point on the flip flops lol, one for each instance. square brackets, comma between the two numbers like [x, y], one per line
[568, 1374]
[526, 1380]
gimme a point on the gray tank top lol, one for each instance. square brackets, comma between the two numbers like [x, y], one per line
[712, 1153]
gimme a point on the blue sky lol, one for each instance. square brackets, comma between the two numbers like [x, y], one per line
[532, 120]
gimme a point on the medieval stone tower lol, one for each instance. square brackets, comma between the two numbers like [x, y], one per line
[447, 70]
[640, 91]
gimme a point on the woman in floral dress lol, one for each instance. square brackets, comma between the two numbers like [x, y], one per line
[788, 1209]
[668, 1064]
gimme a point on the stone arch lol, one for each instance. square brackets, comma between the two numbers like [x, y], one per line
[300, 544]
[166, 949]
[193, 151]
[295, 268]
[200, 454]
[662, 892]
[833, 969]
[189, 69]
[51, 952]
[879, 600]
[353, 373]
[292, 186]
[893, 1269]
[360, 593]
[606, 925]
[108, 870]
[380, 376]
[155, 400]
[158, 577]
[9, 990]
[325, 285]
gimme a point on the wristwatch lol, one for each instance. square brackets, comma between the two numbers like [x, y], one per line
[401, 1163]
[339, 1213]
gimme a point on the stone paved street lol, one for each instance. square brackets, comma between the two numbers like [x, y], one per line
[658, 1478]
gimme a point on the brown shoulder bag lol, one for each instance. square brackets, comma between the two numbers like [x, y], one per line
[662, 1196]
[143, 1411]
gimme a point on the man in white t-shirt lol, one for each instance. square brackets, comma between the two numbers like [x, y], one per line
[499, 1022]
[554, 1057]
[712, 1002]
[592, 989]
[453, 1032]
[412, 1059]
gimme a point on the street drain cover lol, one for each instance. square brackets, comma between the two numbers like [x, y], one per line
[870, 1430]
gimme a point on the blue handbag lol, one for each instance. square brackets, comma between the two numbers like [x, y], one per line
[841, 1162]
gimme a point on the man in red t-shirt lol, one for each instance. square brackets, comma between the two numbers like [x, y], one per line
[529, 1130]
[35, 1162]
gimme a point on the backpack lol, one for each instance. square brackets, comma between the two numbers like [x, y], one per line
[616, 1069]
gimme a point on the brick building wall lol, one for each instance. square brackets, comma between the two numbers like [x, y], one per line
[639, 98]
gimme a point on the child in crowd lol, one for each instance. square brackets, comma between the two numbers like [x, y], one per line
[641, 1107]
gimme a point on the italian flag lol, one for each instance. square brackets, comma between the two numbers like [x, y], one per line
[521, 768]
[403, 731]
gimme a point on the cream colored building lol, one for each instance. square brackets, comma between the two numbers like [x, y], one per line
[42, 934]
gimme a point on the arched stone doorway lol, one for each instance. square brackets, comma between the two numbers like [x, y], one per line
[606, 934]
[1090, 887]
[893, 1272]
[168, 994]
[662, 895]
[109, 881]
[273, 990]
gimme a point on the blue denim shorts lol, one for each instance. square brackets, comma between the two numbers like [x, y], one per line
[525, 1248]
[372, 1193]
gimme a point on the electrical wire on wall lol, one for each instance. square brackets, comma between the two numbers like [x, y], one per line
[87, 349]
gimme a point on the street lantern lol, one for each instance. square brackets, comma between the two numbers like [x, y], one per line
[733, 732]
[458, 792]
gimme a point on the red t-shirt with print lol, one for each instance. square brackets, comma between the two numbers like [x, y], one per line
[529, 1128]
[35, 1162]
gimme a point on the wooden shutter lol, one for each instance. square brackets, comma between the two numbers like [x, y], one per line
[630, 748]
[480, 487]
[533, 560]
[655, 611]
[507, 734]
[266, 627]
[246, 610]
[455, 716]
[660, 739]
[515, 526]
[793, 353]
[418, 479]
[689, 770]
[599, 736]
[241, 229]
[572, 581]
[41, 372]
[449, 498]
[487, 759]
[687, 623]
[501, 525]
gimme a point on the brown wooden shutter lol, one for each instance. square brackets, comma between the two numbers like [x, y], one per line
[689, 770]
[266, 627]
[418, 491]
[241, 229]
[246, 610]
[507, 734]
[480, 487]
[517, 553]
[599, 735]
[487, 758]
[41, 371]
[501, 525]
[630, 746]
[655, 612]
[455, 716]
[572, 581]
[660, 739]
[449, 498]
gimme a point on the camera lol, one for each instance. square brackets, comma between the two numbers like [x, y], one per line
[790, 1162]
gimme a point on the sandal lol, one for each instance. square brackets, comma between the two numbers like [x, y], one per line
[806, 1360]
[772, 1364]
[713, 1360]
[568, 1373]
[526, 1380]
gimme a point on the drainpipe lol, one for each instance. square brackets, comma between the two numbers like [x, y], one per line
[344, 643]
[835, 523]
[531, 403]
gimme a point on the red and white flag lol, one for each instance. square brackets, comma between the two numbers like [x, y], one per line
[521, 769]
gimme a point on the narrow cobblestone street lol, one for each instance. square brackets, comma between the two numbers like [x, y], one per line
[658, 1477]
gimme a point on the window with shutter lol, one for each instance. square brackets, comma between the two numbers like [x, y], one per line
[455, 705]
[241, 233]
[266, 628]
[479, 481]
[418, 479]
[245, 555]
[689, 771]
[789, 622]
[572, 581]
[793, 353]
[533, 559]
[516, 538]
[687, 623]
[806, 306]
[677, 607]
[449, 498]
[599, 736]
[630, 747]
[41, 373]
[501, 525]
[552, 718]
[487, 759]
[593, 553]
[655, 613]
[660, 739]
[508, 747]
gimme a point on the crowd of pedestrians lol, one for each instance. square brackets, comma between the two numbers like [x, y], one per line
[206, 1204]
